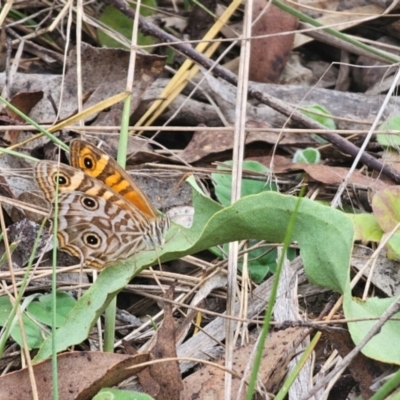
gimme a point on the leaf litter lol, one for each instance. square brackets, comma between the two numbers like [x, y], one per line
[40, 89]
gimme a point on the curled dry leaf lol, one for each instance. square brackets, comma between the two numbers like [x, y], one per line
[24, 101]
[210, 146]
[163, 380]
[329, 175]
[81, 375]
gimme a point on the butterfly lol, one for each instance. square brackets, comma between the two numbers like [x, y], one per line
[103, 216]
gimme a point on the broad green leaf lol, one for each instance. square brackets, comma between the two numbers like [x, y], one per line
[324, 235]
[34, 333]
[258, 266]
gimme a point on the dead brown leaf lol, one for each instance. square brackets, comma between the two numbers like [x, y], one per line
[330, 175]
[24, 101]
[81, 375]
[335, 175]
[279, 350]
[209, 146]
[269, 54]
[163, 380]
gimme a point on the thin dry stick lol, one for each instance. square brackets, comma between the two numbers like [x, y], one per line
[238, 155]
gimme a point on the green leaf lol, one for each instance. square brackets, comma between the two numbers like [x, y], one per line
[386, 139]
[366, 227]
[33, 332]
[386, 207]
[119, 22]
[393, 247]
[116, 394]
[223, 182]
[307, 156]
[386, 210]
[5, 309]
[41, 310]
[260, 261]
[382, 347]
[310, 111]
[324, 235]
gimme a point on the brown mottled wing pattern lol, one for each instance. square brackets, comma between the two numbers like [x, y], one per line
[103, 216]
[86, 230]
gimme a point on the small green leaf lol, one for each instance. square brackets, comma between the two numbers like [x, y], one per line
[223, 182]
[366, 227]
[312, 112]
[386, 139]
[386, 208]
[119, 22]
[260, 261]
[381, 347]
[42, 309]
[33, 332]
[307, 156]
[116, 394]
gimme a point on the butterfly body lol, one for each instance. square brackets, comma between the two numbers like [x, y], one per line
[98, 219]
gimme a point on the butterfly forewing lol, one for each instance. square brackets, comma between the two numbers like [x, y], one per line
[71, 179]
[101, 166]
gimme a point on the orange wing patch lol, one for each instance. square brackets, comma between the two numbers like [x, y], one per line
[101, 166]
